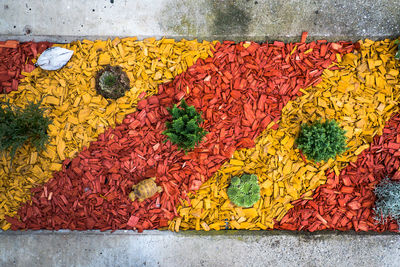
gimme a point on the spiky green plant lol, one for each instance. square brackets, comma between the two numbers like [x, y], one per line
[184, 129]
[18, 126]
[244, 191]
[387, 204]
[108, 79]
[321, 141]
[112, 82]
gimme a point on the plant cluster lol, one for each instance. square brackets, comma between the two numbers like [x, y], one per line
[321, 141]
[184, 129]
[244, 191]
[387, 204]
[18, 126]
[112, 82]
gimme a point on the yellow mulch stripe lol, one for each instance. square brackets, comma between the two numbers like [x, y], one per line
[79, 115]
[361, 97]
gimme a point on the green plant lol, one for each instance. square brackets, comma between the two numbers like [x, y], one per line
[244, 191]
[108, 79]
[387, 204]
[321, 141]
[112, 82]
[18, 126]
[397, 55]
[184, 129]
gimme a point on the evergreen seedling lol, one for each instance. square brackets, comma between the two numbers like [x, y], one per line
[387, 204]
[321, 141]
[18, 126]
[184, 129]
[244, 191]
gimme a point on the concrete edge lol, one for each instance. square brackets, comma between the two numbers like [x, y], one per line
[238, 38]
[225, 233]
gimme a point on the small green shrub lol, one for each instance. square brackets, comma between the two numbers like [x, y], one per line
[244, 191]
[18, 126]
[321, 141]
[112, 82]
[387, 204]
[184, 129]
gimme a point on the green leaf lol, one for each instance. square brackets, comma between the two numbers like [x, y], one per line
[178, 125]
[233, 192]
[240, 200]
[245, 178]
[246, 187]
[255, 189]
[235, 181]
[254, 198]
[253, 178]
[397, 55]
[247, 203]
[191, 126]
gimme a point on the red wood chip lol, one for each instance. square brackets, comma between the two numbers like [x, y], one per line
[133, 220]
[14, 58]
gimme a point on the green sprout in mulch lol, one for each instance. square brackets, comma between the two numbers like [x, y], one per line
[397, 55]
[184, 129]
[321, 141]
[18, 126]
[108, 80]
[244, 191]
[387, 205]
[112, 82]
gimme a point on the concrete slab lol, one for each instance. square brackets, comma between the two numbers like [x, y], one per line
[225, 248]
[258, 20]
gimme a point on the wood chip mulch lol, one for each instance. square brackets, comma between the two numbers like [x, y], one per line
[239, 90]
[346, 201]
[15, 58]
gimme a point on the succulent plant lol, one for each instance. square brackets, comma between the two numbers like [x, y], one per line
[387, 204]
[112, 82]
[321, 141]
[244, 191]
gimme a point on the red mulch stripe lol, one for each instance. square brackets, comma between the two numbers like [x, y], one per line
[346, 202]
[14, 58]
[239, 90]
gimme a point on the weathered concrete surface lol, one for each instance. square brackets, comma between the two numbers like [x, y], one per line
[154, 248]
[257, 20]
